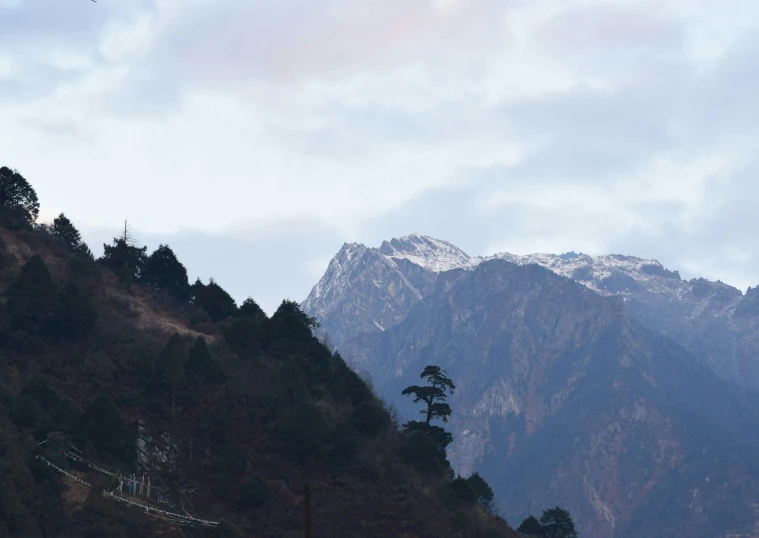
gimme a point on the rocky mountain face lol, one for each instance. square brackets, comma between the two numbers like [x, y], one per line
[368, 290]
[565, 395]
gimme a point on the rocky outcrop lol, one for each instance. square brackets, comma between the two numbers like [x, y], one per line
[581, 381]
[563, 399]
[711, 319]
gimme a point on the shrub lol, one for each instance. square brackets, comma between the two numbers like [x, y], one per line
[463, 489]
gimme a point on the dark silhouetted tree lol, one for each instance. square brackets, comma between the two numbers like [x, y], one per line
[170, 364]
[82, 262]
[102, 424]
[17, 196]
[463, 489]
[84, 251]
[65, 230]
[347, 384]
[250, 309]
[244, 336]
[125, 259]
[557, 523]
[31, 297]
[75, 316]
[169, 369]
[434, 394]
[530, 527]
[368, 420]
[201, 365]
[484, 494]
[290, 322]
[424, 453]
[212, 298]
[162, 270]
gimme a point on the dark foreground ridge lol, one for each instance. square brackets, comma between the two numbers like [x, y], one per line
[135, 404]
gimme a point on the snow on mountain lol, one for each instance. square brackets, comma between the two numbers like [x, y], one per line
[431, 254]
[367, 290]
[599, 273]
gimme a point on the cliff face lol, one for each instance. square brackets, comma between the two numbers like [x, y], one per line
[562, 399]
[366, 290]
[565, 397]
[713, 320]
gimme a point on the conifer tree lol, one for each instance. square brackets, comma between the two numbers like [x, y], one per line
[557, 523]
[244, 336]
[124, 256]
[201, 364]
[32, 296]
[65, 230]
[162, 270]
[290, 322]
[530, 527]
[434, 394]
[75, 316]
[250, 309]
[17, 195]
[484, 494]
[102, 424]
[212, 298]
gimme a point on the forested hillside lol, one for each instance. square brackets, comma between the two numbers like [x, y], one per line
[118, 366]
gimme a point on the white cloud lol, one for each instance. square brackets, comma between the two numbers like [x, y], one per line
[544, 125]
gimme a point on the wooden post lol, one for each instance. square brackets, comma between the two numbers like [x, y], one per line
[307, 510]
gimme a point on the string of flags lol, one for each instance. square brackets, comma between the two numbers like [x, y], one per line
[123, 489]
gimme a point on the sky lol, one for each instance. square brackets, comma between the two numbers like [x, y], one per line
[256, 137]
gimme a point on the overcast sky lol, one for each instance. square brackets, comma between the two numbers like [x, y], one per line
[256, 136]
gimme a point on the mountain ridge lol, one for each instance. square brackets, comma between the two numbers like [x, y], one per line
[714, 320]
[562, 395]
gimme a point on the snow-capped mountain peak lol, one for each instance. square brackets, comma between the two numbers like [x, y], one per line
[427, 252]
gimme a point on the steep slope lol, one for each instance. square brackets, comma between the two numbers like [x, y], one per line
[366, 290]
[711, 319]
[566, 400]
[230, 419]
[698, 313]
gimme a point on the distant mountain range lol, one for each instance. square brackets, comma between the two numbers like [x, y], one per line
[582, 381]
[368, 290]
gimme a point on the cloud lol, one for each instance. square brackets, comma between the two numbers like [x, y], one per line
[285, 128]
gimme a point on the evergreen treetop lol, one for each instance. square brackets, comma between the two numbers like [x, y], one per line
[65, 230]
[434, 394]
[16, 194]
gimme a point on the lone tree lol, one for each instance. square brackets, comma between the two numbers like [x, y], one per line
[31, 297]
[162, 270]
[434, 394]
[65, 230]
[557, 523]
[17, 195]
[530, 527]
[124, 256]
[212, 298]
[484, 494]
